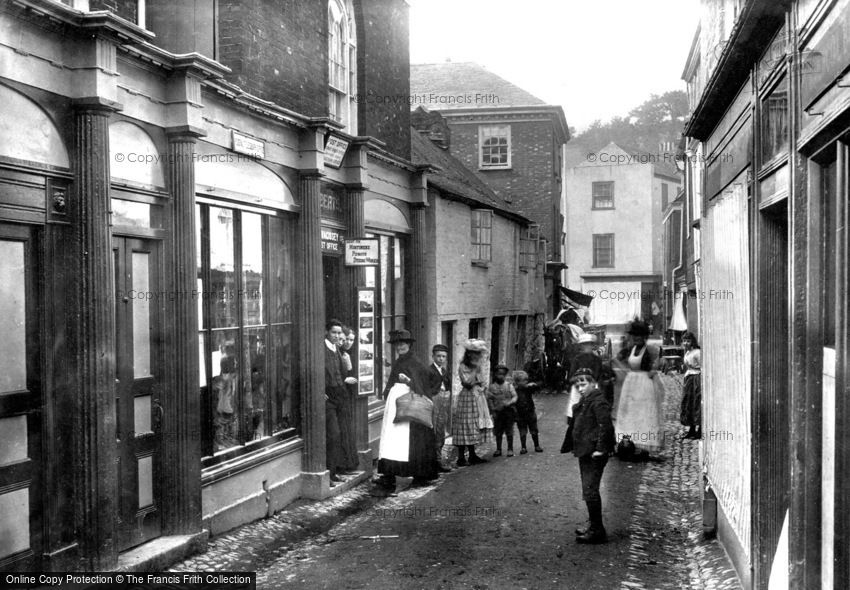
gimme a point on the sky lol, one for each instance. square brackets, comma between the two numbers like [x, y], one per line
[596, 58]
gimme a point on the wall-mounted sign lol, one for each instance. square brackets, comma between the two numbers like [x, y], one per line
[332, 241]
[362, 252]
[242, 144]
[366, 341]
[335, 149]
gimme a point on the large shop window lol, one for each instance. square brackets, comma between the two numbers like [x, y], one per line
[391, 311]
[245, 338]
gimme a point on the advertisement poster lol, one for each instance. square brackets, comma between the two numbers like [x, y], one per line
[366, 345]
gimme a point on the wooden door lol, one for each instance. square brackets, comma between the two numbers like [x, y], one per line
[139, 364]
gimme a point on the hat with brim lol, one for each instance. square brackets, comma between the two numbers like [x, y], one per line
[638, 328]
[475, 345]
[397, 336]
[439, 348]
[501, 367]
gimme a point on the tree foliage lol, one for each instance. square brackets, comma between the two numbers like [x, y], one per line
[660, 119]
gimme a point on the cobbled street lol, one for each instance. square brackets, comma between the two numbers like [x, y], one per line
[508, 523]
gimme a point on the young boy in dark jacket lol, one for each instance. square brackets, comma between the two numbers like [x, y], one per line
[592, 441]
[526, 413]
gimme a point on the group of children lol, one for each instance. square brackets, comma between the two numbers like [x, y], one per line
[513, 403]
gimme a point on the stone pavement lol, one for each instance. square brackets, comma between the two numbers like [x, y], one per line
[652, 511]
[667, 549]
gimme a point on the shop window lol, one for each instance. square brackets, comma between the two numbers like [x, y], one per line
[665, 195]
[603, 195]
[494, 146]
[342, 62]
[603, 250]
[774, 123]
[245, 339]
[482, 225]
[390, 303]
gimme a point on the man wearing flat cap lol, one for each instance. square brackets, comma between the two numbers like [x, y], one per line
[440, 392]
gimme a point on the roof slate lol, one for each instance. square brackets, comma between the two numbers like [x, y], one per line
[452, 85]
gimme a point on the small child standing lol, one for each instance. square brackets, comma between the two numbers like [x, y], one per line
[592, 441]
[526, 413]
[501, 398]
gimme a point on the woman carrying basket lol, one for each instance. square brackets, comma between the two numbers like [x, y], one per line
[407, 449]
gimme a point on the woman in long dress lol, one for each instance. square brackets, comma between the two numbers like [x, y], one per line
[691, 412]
[407, 449]
[639, 413]
[470, 418]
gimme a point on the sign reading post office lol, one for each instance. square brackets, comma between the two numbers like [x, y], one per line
[362, 252]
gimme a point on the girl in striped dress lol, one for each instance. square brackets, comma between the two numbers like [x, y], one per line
[467, 415]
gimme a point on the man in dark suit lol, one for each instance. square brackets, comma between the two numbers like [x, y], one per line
[440, 392]
[335, 394]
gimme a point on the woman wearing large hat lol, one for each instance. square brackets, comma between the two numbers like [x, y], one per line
[407, 449]
[470, 416]
[639, 414]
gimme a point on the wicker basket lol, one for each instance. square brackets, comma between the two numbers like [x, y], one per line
[412, 407]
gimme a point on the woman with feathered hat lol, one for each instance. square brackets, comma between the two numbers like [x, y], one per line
[639, 413]
[470, 416]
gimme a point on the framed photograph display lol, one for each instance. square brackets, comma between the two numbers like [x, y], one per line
[366, 344]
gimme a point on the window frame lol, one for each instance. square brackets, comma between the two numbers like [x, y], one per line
[481, 236]
[595, 250]
[342, 72]
[594, 197]
[528, 247]
[210, 456]
[481, 139]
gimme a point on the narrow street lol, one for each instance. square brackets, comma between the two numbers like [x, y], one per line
[506, 523]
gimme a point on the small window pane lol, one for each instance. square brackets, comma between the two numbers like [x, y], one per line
[774, 122]
[141, 315]
[226, 390]
[252, 268]
[13, 344]
[222, 268]
[131, 213]
[254, 347]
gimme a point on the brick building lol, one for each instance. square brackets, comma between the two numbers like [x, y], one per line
[614, 209]
[177, 181]
[766, 194]
[510, 139]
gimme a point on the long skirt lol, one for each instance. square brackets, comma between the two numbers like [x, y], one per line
[639, 413]
[465, 424]
[691, 413]
[407, 449]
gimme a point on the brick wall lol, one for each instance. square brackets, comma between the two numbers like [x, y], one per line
[277, 50]
[383, 77]
[530, 184]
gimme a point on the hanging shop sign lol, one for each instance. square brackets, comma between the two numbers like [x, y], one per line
[362, 252]
[335, 148]
[243, 144]
[332, 241]
[366, 341]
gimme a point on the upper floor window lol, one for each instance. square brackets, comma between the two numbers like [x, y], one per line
[528, 242]
[665, 195]
[774, 122]
[603, 195]
[342, 64]
[494, 146]
[482, 227]
[603, 250]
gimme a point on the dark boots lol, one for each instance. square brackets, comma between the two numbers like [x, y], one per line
[461, 456]
[595, 533]
[537, 448]
[510, 445]
[473, 458]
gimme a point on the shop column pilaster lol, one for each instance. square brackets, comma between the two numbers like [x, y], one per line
[181, 418]
[355, 276]
[310, 326]
[418, 297]
[94, 337]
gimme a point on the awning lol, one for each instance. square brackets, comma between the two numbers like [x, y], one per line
[576, 298]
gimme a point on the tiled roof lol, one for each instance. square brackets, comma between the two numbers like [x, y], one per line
[453, 176]
[451, 85]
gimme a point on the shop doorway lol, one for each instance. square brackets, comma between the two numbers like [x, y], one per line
[336, 290]
[139, 365]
